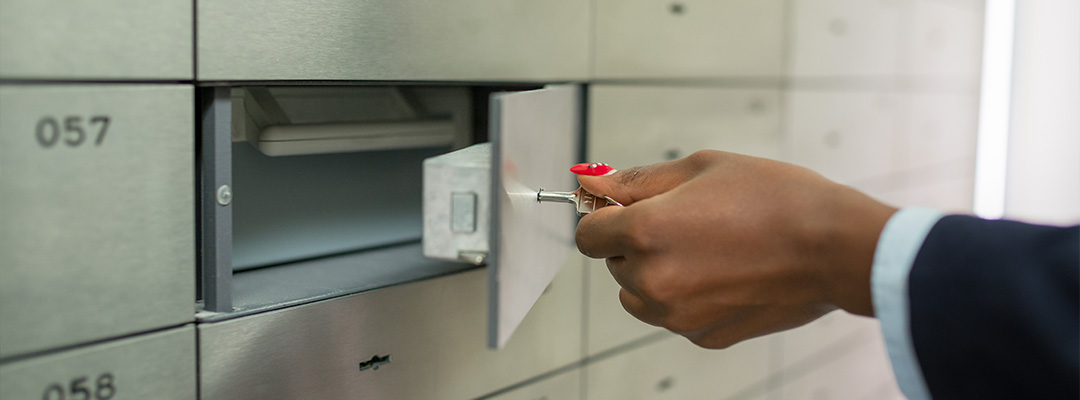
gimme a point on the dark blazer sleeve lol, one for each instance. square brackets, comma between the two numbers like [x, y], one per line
[995, 310]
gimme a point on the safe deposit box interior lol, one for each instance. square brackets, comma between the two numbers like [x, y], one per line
[313, 192]
[225, 200]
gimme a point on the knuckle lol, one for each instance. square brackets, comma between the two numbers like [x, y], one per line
[629, 176]
[661, 285]
[703, 155]
[641, 229]
[702, 158]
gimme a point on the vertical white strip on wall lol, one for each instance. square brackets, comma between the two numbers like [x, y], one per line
[994, 109]
[1043, 178]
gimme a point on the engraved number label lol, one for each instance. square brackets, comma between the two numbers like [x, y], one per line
[73, 130]
[81, 388]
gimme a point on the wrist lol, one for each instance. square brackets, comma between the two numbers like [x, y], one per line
[856, 223]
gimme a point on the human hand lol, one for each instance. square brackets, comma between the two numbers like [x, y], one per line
[720, 247]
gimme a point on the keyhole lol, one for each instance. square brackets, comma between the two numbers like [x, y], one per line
[833, 139]
[678, 8]
[374, 363]
[665, 384]
[672, 154]
[838, 27]
[756, 106]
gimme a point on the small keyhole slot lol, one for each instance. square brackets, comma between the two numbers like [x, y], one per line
[375, 362]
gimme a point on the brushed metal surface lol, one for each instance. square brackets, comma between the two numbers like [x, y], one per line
[264, 289]
[846, 38]
[152, 366]
[117, 39]
[433, 331]
[644, 124]
[689, 39]
[215, 217]
[95, 240]
[938, 128]
[858, 370]
[945, 38]
[535, 136]
[464, 173]
[565, 386]
[637, 125]
[470, 40]
[674, 368]
[850, 137]
[831, 333]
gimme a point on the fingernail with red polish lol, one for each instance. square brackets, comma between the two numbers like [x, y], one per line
[592, 169]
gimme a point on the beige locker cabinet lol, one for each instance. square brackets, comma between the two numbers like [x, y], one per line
[97, 218]
[944, 40]
[93, 40]
[459, 40]
[846, 38]
[848, 136]
[609, 325]
[862, 371]
[674, 368]
[834, 332]
[638, 125]
[158, 365]
[939, 128]
[689, 39]
[564, 386]
[428, 340]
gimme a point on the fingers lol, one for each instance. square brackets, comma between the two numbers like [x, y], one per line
[626, 276]
[635, 184]
[601, 234]
[639, 308]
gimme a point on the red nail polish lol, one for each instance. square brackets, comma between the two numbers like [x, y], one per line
[592, 169]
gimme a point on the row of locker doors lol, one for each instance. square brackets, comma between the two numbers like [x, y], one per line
[152, 165]
[468, 40]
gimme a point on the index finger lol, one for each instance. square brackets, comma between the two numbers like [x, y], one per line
[600, 234]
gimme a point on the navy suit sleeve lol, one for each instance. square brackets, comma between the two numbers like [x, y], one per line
[995, 310]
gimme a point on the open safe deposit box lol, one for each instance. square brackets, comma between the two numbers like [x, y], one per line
[312, 192]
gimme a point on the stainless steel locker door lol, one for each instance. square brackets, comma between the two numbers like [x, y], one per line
[846, 38]
[565, 386]
[159, 366]
[96, 212]
[459, 40]
[689, 39]
[429, 338]
[535, 136]
[674, 368]
[117, 39]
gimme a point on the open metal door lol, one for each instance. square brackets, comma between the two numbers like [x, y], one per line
[535, 138]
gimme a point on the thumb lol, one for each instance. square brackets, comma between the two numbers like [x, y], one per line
[631, 185]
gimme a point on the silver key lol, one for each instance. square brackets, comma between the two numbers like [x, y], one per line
[585, 202]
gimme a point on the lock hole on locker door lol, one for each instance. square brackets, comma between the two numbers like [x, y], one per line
[375, 363]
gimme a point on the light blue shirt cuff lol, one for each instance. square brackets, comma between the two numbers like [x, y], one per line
[897, 247]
